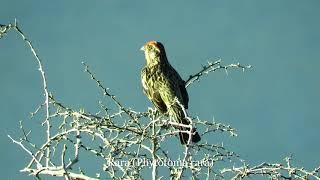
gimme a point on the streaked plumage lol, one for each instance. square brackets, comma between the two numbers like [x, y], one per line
[164, 86]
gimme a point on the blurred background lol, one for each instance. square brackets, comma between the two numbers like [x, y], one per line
[274, 106]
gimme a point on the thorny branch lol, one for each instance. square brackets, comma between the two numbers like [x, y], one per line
[211, 67]
[3, 31]
[137, 139]
[273, 171]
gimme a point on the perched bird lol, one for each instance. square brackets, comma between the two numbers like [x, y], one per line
[165, 88]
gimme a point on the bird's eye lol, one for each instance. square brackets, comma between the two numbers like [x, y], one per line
[154, 49]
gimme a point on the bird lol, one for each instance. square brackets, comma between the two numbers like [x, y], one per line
[165, 88]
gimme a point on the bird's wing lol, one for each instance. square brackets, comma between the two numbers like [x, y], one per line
[180, 84]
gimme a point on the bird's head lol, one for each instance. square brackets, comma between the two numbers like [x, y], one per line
[154, 53]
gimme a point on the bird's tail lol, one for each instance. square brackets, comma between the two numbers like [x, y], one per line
[177, 112]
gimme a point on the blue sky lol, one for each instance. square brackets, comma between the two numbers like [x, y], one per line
[274, 106]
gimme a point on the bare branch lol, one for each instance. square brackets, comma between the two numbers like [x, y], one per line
[126, 142]
[211, 67]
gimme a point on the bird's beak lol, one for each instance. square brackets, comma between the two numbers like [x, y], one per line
[142, 48]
